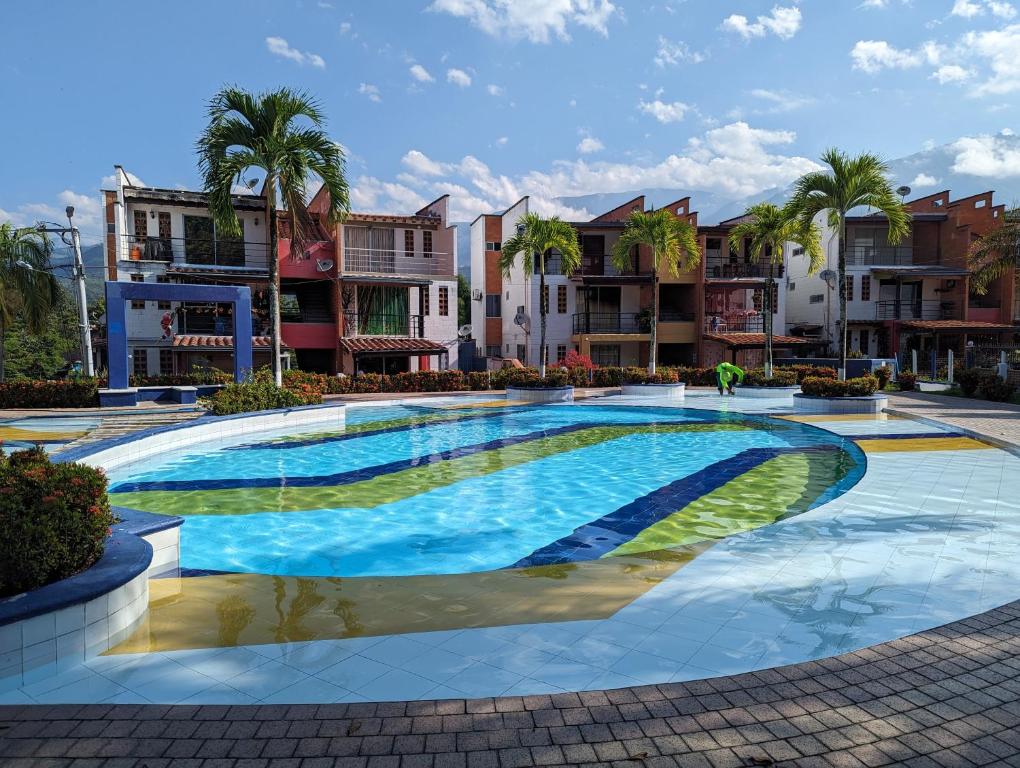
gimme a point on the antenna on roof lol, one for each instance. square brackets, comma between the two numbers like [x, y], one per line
[903, 192]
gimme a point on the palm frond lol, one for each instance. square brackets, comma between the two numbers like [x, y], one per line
[993, 256]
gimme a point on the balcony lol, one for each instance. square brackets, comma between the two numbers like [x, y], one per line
[725, 268]
[674, 316]
[880, 255]
[610, 322]
[375, 261]
[916, 310]
[383, 325]
[735, 324]
[219, 253]
[594, 266]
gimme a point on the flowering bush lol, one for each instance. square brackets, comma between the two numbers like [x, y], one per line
[995, 389]
[33, 393]
[883, 374]
[803, 371]
[781, 377]
[822, 387]
[260, 393]
[642, 376]
[574, 360]
[907, 380]
[55, 518]
[193, 379]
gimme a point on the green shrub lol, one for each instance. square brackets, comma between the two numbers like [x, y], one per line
[607, 377]
[971, 379]
[55, 518]
[195, 378]
[883, 374]
[33, 393]
[477, 381]
[781, 377]
[642, 376]
[260, 393]
[822, 387]
[424, 381]
[802, 371]
[995, 389]
[907, 380]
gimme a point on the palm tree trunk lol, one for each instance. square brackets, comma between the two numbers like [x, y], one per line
[655, 316]
[274, 285]
[768, 321]
[841, 270]
[3, 349]
[541, 315]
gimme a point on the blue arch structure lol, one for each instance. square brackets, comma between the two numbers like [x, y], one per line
[118, 294]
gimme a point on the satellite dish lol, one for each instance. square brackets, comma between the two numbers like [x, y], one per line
[829, 276]
[464, 332]
[903, 191]
[251, 184]
[522, 320]
[323, 265]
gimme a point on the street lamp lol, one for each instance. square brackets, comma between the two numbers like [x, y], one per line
[79, 280]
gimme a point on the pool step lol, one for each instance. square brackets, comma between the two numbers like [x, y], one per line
[118, 426]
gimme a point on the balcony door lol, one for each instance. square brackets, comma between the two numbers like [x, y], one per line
[383, 310]
[593, 252]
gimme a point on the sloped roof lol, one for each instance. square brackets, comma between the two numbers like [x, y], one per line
[194, 341]
[367, 344]
[754, 339]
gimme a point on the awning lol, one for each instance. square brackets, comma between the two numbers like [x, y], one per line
[385, 279]
[226, 343]
[921, 270]
[399, 345]
[957, 326]
[755, 340]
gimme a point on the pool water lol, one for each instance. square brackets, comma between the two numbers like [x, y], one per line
[413, 490]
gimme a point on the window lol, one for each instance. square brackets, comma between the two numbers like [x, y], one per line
[545, 299]
[522, 353]
[166, 362]
[140, 362]
[792, 287]
[141, 226]
[409, 242]
[865, 287]
[161, 304]
[561, 352]
[561, 299]
[137, 303]
[290, 307]
[444, 301]
[865, 342]
[775, 298]
[426, 244]
[817, 298]
[493, 245]
[849, 287]
[492, 305]
[164, 226]
[492, 350]
[426, 301]
[198, 240]
[606, 354]
[798, 251]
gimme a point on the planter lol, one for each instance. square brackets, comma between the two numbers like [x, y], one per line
[766, 392]
[865, 404]
[541, 394]
[933, 386]
[667, 391]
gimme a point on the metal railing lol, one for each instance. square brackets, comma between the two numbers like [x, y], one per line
[192, 251]
[377, 261]
[724, 268]
[916, 310]
[593, 266]
[723, 324]
[610, 322]
[880, 255]
[674, 316]
[372, 324]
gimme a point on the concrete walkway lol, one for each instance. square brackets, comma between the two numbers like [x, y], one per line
[998, 421]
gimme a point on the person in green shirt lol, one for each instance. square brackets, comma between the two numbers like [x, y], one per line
[727, 376]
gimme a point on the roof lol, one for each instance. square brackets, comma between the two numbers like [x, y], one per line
[754, 339]
[377, 344]
[955, 325]
[189, 198]
[192, 341]
[392, 218]
[923, 270]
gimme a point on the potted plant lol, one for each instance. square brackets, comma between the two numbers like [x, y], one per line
[554, 387]
[638, 382]
[859, 395]
[757, 383]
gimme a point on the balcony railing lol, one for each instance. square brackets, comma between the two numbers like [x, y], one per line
[610, 322]
[593, 266]
[735, 324]
[916, 310]
[382, 262]
[675, 316]
[191, 251]
[724, 268]
[880, 255]
[372, 324]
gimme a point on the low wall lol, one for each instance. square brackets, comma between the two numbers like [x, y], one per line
[541, 395]
[667, 391]
[867, 404]
[776, 393]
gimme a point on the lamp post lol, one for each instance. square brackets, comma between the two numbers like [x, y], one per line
[79, 281]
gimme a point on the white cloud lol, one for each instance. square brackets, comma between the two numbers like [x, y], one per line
[783, 22]
[494, 90]
[780, 101]
[968, 9]
[458, 77]
[419, 73]
[88, 210]
[589, 145]
[534, 20]
[371, 91]
[419, 163]
[872, 56]
[987, 156]
[672, 112]
[670, 53]
[923, 180]
[345, 27]
[999, 50]
[951, 73]
[502, 140]
[280, 47]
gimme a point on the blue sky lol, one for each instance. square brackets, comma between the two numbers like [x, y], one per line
[492, 99]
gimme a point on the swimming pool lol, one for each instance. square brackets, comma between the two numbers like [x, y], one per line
[416, 490]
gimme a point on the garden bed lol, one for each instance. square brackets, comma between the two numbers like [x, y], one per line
[541, 394]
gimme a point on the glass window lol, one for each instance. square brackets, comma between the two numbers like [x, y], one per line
[409, 242]
[140, 362]
[290, 308]
[865, 287]
[198, 240]
[492, 305]
[492, 350]
[561, 299]
[865, 343]
[522, 353]
[426, 243]
[444, 301]
[817, 298]
[166, 362]
[493, 246]
[849, 287]
[426, 301]
[605, 354]
[561, 352]
[141, 226]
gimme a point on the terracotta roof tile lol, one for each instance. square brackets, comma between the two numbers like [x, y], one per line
[753, 339]
[390, 344]
[955, 325]
[216, 342]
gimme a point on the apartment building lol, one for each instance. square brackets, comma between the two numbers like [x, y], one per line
[710, 314]
[376, 293]
[911, 295]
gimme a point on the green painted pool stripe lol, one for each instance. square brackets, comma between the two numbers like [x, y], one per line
[781, 487]
[392, 487]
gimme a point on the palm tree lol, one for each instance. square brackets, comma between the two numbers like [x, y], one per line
[675, 249]
[266, 131]
[848, 183]
[995, 254]
[768, 227]
[27, 289]
[536, 237]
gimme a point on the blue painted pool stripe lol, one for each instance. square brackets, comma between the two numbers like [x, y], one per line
[599, 537]
[905, 436]
[367, 473]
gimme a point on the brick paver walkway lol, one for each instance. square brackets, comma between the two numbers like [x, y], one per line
[999, 421]
[945, 697]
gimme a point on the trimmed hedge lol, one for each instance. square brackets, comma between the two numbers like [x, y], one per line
[995, 389]
[642, 376]
[822, 387]
[55, 518]
[780, 378]
[971, 379]
[260, 393]
[183, 379]
[907, 380]
[33, 393]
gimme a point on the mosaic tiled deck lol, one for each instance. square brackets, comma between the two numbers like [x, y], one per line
[454, 548]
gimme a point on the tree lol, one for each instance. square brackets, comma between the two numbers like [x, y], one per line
[463, 300]
[27, 289]
[848, 183]
[675, 249]
[266, 131]
[536, 238]
[995, 254]
[768, 227]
